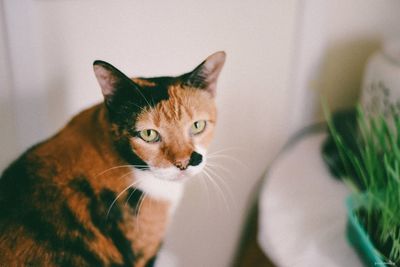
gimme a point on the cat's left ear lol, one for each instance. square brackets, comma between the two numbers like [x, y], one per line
[112, 81]
[205, 76]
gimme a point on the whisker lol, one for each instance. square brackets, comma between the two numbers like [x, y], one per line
[223, 183]
[227, 157]
[131, 194]
[145, 99]
[219, 190]
[226, 170]
[206, 188]
[226, 149]
[140, 203]
[118, 196]
[118, 167]
[140, 108]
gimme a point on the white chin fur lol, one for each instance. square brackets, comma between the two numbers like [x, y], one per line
[174, 174]
[159, 188]
[167, 183]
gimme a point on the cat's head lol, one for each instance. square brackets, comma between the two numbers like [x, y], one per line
[162, 125]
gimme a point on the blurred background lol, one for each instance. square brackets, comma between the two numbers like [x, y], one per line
[281, 57]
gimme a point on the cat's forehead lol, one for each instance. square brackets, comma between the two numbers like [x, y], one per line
[183, 105]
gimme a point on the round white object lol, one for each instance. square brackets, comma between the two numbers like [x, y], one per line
[302, 214]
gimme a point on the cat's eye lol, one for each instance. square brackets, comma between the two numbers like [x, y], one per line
[197, 127]
[149, 135]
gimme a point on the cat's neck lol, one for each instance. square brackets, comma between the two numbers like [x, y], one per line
[156, 188]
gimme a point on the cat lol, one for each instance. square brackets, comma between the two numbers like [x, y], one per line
[102, 190]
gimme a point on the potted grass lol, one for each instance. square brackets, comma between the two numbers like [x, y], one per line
[372, 171]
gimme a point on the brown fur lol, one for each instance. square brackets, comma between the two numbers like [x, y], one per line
[69, 155]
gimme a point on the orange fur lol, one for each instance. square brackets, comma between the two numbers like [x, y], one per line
[172, 118]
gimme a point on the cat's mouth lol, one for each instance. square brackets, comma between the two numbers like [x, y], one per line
[175, 174]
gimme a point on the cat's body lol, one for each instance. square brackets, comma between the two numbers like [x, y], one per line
[51, 203]
[101, 191]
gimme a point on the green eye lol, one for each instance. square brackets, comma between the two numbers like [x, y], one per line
[198, 127]
[149, 135]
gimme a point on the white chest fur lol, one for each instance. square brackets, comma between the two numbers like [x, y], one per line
[159, 189]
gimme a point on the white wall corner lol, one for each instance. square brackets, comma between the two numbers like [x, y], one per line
[7, 116]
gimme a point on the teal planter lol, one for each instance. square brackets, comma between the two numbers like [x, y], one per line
[358, 237]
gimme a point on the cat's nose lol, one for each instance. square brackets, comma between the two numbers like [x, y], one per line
[194, 160]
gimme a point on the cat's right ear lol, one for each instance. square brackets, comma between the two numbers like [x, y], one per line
[205, 76]
[111, 80]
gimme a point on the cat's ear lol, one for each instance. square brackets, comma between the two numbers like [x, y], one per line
[205, 76]
[111, 80]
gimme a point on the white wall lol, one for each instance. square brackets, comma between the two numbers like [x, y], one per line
[333, 42]
[54, 80]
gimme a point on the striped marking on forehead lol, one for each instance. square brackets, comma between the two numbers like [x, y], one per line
[172, 110]
[182, 105]
[177, 106]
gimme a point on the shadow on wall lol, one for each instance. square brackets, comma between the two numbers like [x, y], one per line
[8, 142]
[56, 98]
[342, 71]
